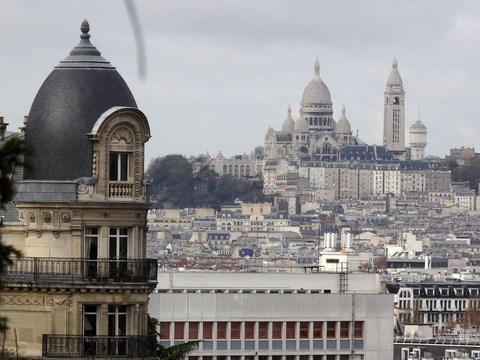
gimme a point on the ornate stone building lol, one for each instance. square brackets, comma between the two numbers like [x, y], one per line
[81, 287]
[315, 135]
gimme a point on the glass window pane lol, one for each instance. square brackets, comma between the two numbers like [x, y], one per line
[358, 330]
[304, 330]
[179, 330]
[276, 330]
[344, 329]
[113, 167]
[207, 330]
[193, 330]
[331, 329]
[263, 330]
[235, 330]
[317, 329]
[250, 330]
[290, 329]
[123, 167]
[164, 330]
[221, 330]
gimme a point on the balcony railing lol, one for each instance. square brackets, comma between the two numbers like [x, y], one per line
[49, 270]
[80, 346]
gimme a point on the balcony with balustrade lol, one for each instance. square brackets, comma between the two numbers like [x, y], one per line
[40, 271]
[107, 347]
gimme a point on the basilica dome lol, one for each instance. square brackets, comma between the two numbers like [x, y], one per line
[76, 93]
[316, 92]
[288, 124]
[301, 123]
[343, 125]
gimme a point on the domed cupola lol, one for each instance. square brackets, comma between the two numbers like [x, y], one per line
[317, 104]
[288, 124]
[77, 92]
[343, 131]
[343, 125]
[316, 91]
[301, 124]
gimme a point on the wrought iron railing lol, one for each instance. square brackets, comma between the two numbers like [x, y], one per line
[74, 346]
[47, 270]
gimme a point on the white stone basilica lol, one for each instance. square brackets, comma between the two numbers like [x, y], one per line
[315, 135]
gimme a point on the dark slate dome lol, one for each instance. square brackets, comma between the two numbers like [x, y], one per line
[80, 89]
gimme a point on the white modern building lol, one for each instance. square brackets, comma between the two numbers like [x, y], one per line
[305, 315]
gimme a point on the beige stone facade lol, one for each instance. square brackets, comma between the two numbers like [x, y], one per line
[81, 287]
[83, 254]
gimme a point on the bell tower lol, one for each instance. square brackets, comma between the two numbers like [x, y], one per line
[394, 113]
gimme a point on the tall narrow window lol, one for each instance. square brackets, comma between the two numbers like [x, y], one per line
[290, 329]
[304, 325]
[331, 329]
[235, 330]
[207, 330]
[118, 166]
[117, 320]
[263, 330]
[317, 329]
[90, 329]
[344, 329]
[193, 330]
[250, 330]
[276, 330]
[179, 330]
[117, 326]
[118, 238]
[164, 332]
[90, 243]
[221, 330]
[358, 330]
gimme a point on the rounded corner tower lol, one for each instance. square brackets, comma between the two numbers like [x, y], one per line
[76, 93]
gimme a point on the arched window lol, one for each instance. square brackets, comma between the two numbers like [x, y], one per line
[224, 169]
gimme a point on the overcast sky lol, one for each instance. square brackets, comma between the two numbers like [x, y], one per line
[220, 72]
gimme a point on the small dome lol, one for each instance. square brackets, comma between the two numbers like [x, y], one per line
[343, 125]
[301, 124]
[75, 94]
[418, 125]
[316, 92]
[288, 124]
[394, 78]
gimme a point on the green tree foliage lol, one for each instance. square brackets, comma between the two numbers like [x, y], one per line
[12, 152]
[466, 173]
[171, 181]
[175, 352]
[174, 184]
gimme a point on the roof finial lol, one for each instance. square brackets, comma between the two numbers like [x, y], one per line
[85, 28]
[289, 110]
[317, 67]
[418, 113]
[395, 63]
[343, 110]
